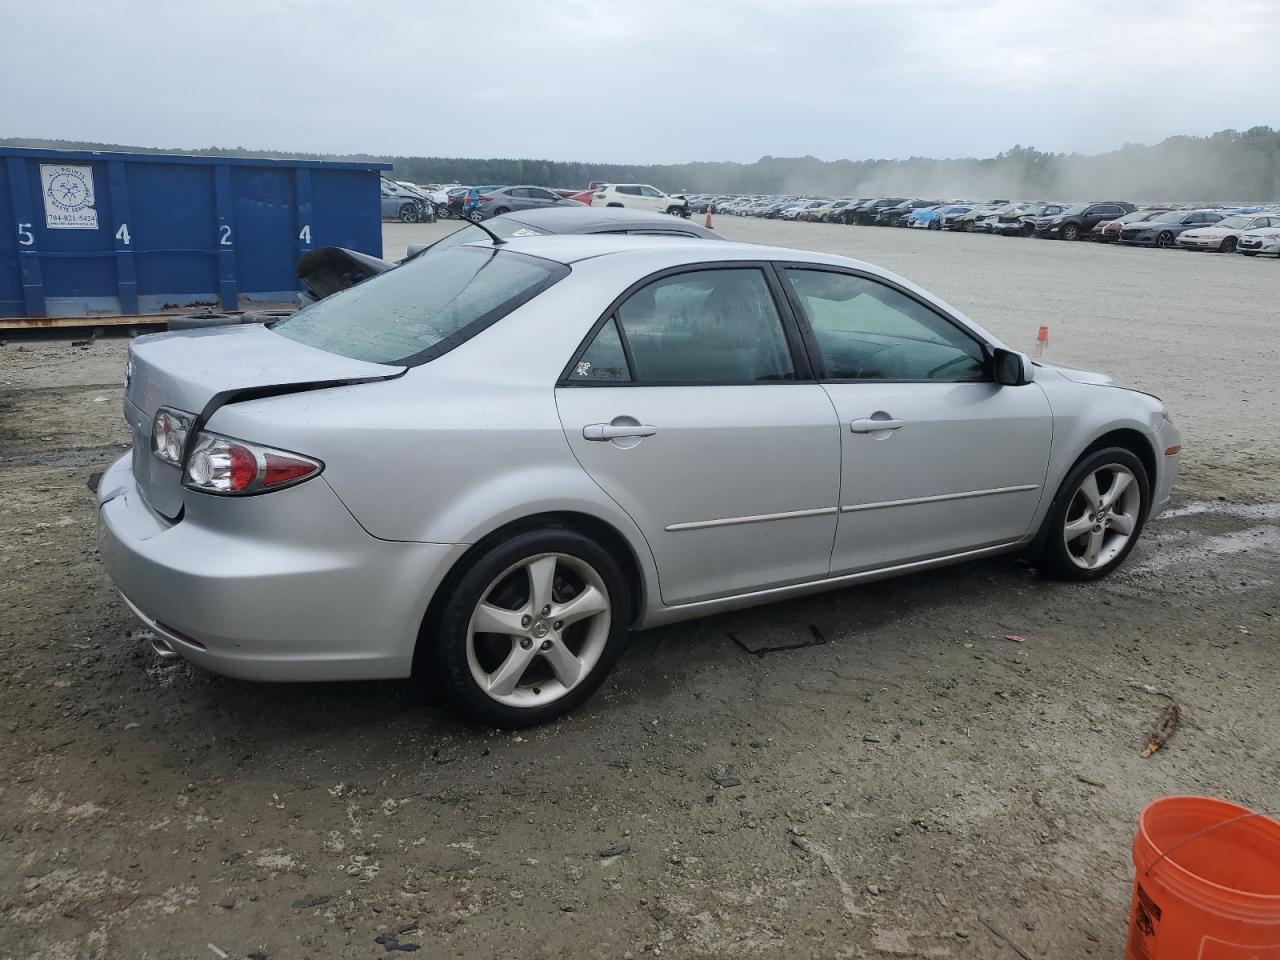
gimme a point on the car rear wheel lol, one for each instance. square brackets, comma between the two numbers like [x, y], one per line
[500, 211]
[408, 213]
[531, 629]
[1165, 240]
[1071, 232]
[935, 225]
[1249, 253]
[1228, 245]
[1097, 516]
[443, 212]
[475, 216]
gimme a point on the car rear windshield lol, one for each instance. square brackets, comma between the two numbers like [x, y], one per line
[425, 307]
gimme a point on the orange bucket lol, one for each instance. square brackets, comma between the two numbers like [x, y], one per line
[1207, 884]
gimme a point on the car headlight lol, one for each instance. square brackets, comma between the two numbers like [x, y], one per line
[1055, 220]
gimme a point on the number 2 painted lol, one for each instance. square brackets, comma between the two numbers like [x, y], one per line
[224, 234]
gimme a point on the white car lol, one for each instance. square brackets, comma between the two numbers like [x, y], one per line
[1225, 234]
[639, 196]
[1262, 240]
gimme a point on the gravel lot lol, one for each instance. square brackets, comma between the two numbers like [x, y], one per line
[898, 790]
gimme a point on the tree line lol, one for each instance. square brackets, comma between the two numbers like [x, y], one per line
[1228, 165]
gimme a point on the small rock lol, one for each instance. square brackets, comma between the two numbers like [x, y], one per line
[310, 901]
[617, 850]
[228, 902]
[873, 889]
[870, 738]
[726, 782]
[659, 913]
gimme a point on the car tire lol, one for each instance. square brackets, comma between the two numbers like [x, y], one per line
[500, 211]
[443, 212]
[1250, 253]
[1102, 543]
[674, 211]
[613, 204]
[408, 213]
[561, 565]
[1228, 245]
[1071, 232]
[934, 225]
[1165, 240]
[475, 216]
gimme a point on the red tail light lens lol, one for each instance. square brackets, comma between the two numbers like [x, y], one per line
[227, 467]
[486, 199]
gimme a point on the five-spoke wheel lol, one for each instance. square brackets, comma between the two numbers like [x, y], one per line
[531, 627]
[1097, 515]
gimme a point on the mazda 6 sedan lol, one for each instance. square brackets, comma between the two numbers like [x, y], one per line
[487, 466]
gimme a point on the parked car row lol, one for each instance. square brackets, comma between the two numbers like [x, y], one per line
[1249, 230]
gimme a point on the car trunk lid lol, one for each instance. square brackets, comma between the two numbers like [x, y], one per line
[197, 371]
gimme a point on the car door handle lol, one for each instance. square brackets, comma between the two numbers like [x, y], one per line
[872, 425]
[615, 431]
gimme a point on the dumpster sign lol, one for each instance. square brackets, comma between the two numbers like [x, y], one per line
[68, 197]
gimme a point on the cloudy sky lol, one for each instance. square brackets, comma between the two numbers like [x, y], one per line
[652, 81]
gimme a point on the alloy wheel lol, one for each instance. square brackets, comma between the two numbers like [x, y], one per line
[1102, 516]
[538, 630]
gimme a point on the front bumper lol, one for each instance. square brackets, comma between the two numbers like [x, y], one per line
[1265, 245]
[284, 586]
[1200, 243]
[1169, 438]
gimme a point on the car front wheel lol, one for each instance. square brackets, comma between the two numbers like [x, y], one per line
[1070, 232]
[531, 629]
[408, 213]
[1097, 516]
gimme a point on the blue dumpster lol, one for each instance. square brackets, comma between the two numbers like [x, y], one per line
[98, 237]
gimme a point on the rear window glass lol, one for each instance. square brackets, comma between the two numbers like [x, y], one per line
[423, 308]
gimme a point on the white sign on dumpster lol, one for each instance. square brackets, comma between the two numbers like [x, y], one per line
[68, 197]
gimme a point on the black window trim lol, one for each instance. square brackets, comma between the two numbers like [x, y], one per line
[816, 362]
[799, 353]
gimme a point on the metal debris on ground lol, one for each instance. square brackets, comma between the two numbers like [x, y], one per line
[1014, 638]
[310, 901]
[816, 638]
[1168, 723]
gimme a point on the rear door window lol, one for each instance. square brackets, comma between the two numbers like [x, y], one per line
[423, 308]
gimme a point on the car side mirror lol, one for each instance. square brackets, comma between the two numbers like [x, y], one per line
[1012, 369]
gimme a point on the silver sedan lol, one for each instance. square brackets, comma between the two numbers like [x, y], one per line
[489, 465]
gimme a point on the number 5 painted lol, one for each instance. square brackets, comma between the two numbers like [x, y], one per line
[25, 236]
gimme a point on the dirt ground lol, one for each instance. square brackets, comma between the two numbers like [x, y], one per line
[915, 785]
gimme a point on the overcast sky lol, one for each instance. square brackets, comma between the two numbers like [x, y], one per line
[640, 81]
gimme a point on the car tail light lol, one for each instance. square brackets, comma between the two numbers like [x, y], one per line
[169, 432]
[486, 199]
[228, 467]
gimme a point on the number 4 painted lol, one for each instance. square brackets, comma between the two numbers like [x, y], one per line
[305, 233]
[123, 234]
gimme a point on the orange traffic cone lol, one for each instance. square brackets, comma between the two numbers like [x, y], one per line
[1042, 341]
[707, 222]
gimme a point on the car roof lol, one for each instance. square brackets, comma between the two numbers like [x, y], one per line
[584, 219]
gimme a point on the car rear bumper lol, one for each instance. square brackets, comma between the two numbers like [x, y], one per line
[289, 590]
